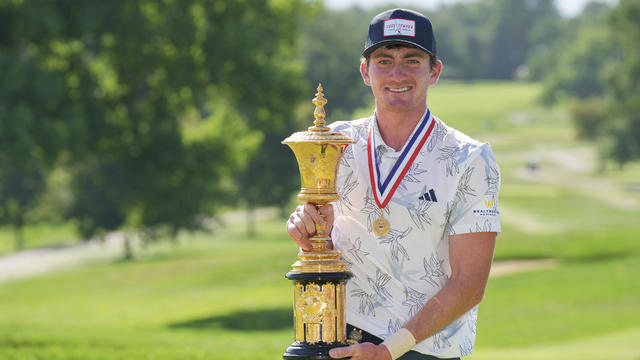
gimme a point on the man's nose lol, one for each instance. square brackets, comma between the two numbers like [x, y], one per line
[398, 71]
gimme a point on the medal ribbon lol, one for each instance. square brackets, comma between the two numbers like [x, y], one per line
[382, 192]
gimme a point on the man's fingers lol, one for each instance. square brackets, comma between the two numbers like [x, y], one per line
[327, 211]
[307, 220]
[298, 232]
[312, 211]
[302, 223]
[342, 352]
[358, 351]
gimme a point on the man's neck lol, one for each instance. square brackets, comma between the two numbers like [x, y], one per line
[395, 128]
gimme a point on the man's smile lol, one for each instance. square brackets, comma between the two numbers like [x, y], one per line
[399, 90]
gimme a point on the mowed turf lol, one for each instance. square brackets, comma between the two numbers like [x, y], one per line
[224, 295]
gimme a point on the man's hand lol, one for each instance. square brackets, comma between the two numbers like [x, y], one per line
[302, 223]
[364, 351]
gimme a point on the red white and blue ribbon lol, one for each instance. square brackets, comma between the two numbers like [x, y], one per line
[383, 189]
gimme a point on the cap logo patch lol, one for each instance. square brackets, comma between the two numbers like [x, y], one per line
[399, 27]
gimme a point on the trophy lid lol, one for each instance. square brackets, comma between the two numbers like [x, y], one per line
[319, 133]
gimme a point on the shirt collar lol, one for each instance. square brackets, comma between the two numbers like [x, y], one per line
[380, 142]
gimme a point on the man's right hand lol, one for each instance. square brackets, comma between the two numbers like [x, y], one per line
[302, 223]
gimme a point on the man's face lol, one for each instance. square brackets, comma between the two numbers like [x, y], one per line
[399, 78]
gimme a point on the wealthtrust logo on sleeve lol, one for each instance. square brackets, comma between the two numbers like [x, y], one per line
[402, 27]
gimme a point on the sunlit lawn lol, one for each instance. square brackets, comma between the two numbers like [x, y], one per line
[224, 296]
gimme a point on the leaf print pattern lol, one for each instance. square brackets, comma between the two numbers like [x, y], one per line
[419, 212]
[484, 227]
[402, 271]
[347, 157]
[361, 132]
[414, 300]
[472, 319]
[440, 341]
[392, 328]
[379, 285]
[412, 175]
[368, 302]
[441, 338]
[449, 154]
[464, 188]
[381, 150]
[436, 136]
[466, 348]
[447, 216]
[347, 187]
[393, 239]
[492, 179]
[356, 251]
[433, 270]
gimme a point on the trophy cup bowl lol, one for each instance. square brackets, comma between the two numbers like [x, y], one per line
[319, 275]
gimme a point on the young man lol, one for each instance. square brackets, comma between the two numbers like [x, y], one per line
[418, 217]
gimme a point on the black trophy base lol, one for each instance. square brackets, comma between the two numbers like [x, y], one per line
[306, 351]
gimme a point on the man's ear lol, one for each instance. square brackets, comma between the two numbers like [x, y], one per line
[434, 75]
[364, 71]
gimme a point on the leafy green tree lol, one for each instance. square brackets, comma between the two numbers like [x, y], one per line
[20, 187]
[572, 66]
[463, 37]
[623, 83]
[168, 99]
[578, 72]
[35, 116]
[513, 22]
[331, 45]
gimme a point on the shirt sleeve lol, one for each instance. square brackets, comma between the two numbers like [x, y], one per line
[475, 204]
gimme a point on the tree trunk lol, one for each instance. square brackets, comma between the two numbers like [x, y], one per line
[128, 249]
[251, 220]
[18, 237]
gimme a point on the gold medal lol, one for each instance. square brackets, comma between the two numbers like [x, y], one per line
[381, 226]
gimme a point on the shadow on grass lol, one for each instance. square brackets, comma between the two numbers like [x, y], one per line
[243, 320]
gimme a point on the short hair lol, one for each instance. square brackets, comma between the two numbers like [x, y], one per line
[433, 60]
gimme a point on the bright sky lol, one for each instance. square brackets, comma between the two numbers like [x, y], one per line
[566, 7]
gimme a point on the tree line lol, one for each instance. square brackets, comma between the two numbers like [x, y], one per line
[152, 115]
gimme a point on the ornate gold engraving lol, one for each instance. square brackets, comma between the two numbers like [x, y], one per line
[311, 305]
[341, 325]
[329, 316]
[297, 316]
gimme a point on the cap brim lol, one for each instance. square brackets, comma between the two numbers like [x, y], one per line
[373, 48]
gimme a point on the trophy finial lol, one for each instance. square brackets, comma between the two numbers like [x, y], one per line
[318, 113]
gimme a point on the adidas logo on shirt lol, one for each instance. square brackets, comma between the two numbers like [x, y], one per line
[429, 196]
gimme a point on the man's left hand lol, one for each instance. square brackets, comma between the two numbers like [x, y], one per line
[364, 351]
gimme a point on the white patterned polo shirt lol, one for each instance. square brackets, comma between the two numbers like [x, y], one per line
[450, 188]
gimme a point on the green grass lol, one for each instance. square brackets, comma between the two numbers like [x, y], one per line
[192, 303]
[38, 235]
[481, 106]
[224, 296]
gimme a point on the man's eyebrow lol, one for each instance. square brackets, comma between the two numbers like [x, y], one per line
[384, 55]
[407, 55]
[414, 54]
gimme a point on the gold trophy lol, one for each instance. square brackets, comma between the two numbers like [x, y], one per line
[319, 275]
